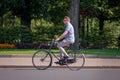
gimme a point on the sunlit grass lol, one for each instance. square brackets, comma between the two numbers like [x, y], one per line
[102, 52]
[85, 51]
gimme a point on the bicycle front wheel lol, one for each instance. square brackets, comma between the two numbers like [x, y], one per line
[76, 60]
[42, 59]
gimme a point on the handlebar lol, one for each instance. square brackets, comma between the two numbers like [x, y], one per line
[53, 40]
[52, 43]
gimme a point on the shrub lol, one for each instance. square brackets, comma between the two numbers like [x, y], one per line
[106, 40]
[27, 46]
[15, 34]
[43, 45]
[31, 46]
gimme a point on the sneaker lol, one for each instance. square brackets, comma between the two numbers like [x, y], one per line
[57, 62]
[61, 62]
[65, 57]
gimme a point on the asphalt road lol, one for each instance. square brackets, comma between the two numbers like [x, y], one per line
[58, 74]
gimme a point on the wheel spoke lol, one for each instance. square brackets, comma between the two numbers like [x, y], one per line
[42, 60]
[76, 60]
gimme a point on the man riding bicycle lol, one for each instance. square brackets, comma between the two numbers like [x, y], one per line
[67, 38]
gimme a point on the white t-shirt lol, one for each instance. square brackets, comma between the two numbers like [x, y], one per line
[70, 35]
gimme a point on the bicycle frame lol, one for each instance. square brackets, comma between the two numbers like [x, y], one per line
[49, 50]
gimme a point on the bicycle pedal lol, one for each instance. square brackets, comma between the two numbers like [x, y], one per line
[70, 60]
[60, 63]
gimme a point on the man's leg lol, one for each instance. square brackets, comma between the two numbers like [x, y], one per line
[62, 50]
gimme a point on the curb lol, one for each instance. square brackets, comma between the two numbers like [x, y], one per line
[102, 56]
[15, 55]
[29, 55]
[85, 67]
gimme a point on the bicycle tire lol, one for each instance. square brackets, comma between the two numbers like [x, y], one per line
[76, 60]
[42, 59]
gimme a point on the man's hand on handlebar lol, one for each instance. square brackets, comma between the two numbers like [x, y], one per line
[57, 39]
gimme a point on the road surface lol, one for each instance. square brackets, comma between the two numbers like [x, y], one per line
[58, 74]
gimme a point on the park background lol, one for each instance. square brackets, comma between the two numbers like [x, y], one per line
[31, 24]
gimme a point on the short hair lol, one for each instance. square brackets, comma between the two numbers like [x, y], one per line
[67, 18]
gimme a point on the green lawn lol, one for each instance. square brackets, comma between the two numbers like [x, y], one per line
[17, 51]
[102, 52]
[86, 51]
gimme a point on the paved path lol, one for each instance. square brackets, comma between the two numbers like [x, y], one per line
[58, 74]
[26, 61]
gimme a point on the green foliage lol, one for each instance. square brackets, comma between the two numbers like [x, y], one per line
[44, 34]
[53, 11]
[6, 34]
[86, 5]
[21, 34]
[58, 10]
[107, 40]
[25, 35]
[113, 3]
[15, 34]
[110, 9]
[3, 7]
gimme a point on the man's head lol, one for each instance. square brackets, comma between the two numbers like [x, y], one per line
[66, 19]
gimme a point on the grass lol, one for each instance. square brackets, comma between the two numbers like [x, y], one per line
[86, 51]
[20, 51]
[17, 51]
[111, 52]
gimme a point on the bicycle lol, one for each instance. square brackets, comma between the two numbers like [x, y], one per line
[42, 59]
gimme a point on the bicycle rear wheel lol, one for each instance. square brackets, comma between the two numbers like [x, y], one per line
[76, 60]
[42, 59]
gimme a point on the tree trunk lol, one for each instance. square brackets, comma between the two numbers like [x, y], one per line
[87, 31]
[2, 22]
[74, 15]
[83, 31]
[101, 24]
[25, 21]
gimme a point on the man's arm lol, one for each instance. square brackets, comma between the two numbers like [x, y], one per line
[62, 36]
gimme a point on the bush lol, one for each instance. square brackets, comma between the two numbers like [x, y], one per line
[45, 33]
[26, 46]
[44, 45]
[15, 34]
[106, 40]
[31, 46]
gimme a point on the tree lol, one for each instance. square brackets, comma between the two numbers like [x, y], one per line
[29, 9]
[86, 11]
[106, 10]
[58, 10]
[3, 10]
[103, 10]
[74, 15]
